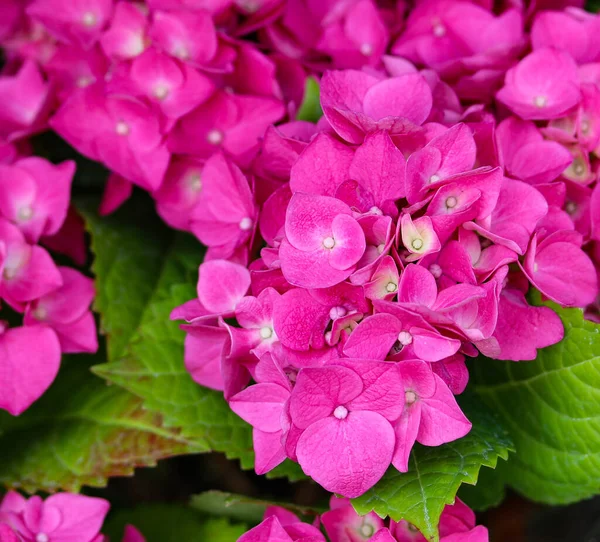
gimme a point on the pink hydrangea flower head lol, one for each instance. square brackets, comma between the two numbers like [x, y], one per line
[527, 155]
[418, 237]
[561, 270]
[187, 35]
[345, 413]
[522, 329]
[227, 219]
[29, 361]
[77, 23]
[27, 93]
[34, 195]
[66, 311]
[28, 271]
[431, 415]
[181, 192]
[544, 85]
[232, 123]
[63, 516]
[356, 103]
[126, 37]
[343, 524]
[323, 241]
[568, 31]
[118, 131]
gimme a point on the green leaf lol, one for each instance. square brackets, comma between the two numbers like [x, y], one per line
[551, 407]
[143, 271]
[243, 508]
[435, 474]
[489, 491]
[80, 433]
[310, 110]
[172, 523]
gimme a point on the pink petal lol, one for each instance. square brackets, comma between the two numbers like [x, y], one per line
[261, 406]
[221, 284]
[268, 449]
[349, 241]
[441, 418]
[347, 456]
[373, 338]
[417, 286]
[270, 530]
[318, 392]
[30, 361]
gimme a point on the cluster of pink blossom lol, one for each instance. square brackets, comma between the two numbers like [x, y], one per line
[401, 234]
[343, 524]
[54, 300]
[59, 518]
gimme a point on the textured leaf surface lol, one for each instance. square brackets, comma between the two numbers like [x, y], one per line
[143, 270]
[173, 523]
[435, 474]
[80, 433]
[551, 407]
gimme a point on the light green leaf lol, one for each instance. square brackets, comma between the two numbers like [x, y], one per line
[173, 523]
[310, 110]
[80, 433]
[435, 474]
[143, 271]
[244, 508]
[551, 407]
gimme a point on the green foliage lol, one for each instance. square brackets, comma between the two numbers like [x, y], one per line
[80, 433]
[310, 110]
[551, 407]
[144, 270]
[173, 523]
[435, 474]
[243, 508]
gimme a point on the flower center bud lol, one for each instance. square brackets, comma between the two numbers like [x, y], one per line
[375, 210]
[42, 537]
[391, 287]
[578, 167]
[266, 332]
[25, 213]
[417, 243]
[434, 178]
[571, 207]
[451, 202]
[435, 270]
[585, 126]
[366, 530]
[340, 412]
[161, 92]
[181, 51]
[405, 338]
[9, 273]
[215, 137]
[540, 101]
[380, 248]
[439, 30]
[84, 81]
[535, 267]
[89, 20]
[246, 224]
[366, 49]
[329, 242]
[122, 128]
[195, 182]
[337, 312]
[40, 313]
[410, 397]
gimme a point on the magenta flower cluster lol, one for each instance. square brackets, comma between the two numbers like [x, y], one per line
[61, 517]
[352, 264]
[398, 236]
[53, 300]
[343, 524]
